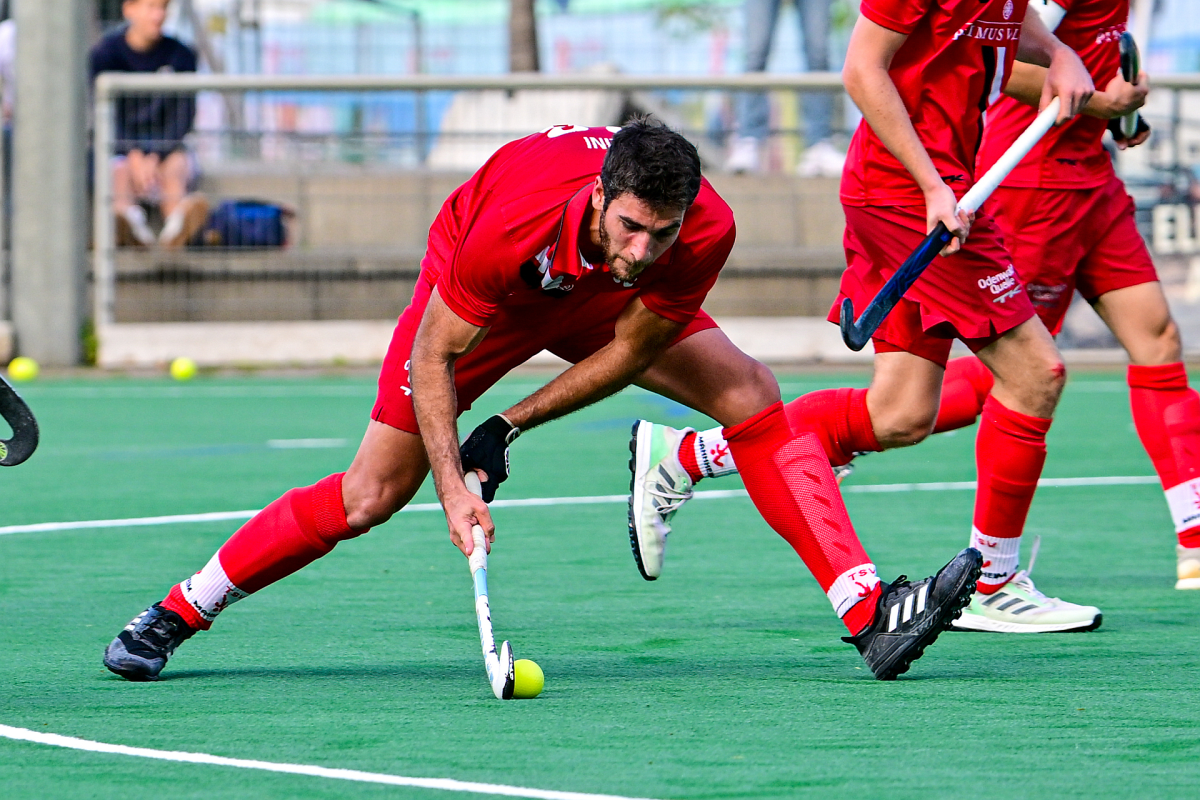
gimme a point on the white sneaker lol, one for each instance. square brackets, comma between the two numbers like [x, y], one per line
[658, 487]
[1018, 607]
[743, 155]
[1187, 567]
[821, 160]
[139, 226]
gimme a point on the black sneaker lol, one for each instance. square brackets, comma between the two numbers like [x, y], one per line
[141, 651]
[911, 615]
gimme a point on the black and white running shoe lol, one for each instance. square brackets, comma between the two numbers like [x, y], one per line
[911, 615]
[141, 651]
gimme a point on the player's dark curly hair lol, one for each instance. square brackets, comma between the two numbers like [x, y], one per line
[654, 164]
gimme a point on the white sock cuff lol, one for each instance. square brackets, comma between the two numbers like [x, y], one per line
[210, 591]
[713, 455]
[1184, 502]
[852, 586]
[1000, 556]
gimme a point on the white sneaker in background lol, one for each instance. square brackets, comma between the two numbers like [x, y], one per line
[743, 155]
[822, 160]
[139, 226]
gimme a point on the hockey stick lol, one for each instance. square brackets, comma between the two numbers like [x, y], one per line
[1130, 66]
[24, 439]
[856, 334]
[499, 666]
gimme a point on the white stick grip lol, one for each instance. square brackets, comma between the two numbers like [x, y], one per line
[984, 187]
[478, 557]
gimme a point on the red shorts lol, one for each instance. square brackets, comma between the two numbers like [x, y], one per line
[973, 295]
[571, 327]
[1067, 239]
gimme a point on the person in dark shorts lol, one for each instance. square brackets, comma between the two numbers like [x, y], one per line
[152, 165]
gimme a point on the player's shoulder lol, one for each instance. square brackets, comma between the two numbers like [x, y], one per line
[562, 155]
[710, 219]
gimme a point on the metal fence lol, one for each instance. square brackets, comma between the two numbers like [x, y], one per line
[359, 165]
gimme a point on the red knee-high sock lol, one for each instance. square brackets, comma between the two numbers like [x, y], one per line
[789, 480]
[839, 419]
[1010, 451]
[1166, 413]
[964, 388]
[290, 533]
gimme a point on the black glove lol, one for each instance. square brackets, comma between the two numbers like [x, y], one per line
[1114, 127]
[487, 449]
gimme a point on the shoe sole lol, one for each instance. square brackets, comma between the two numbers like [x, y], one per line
[962, 599]
[1188, 583]
[135, 674]
[633, 535]
[977, 623]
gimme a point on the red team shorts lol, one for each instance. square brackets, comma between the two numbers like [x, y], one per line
[572, 328]
[973, 295]
[1067, 239]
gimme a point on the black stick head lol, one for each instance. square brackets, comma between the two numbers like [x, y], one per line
[24, 439]
[852, 335]
[1130, 59]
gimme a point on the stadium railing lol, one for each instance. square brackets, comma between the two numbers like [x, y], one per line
[362, 163]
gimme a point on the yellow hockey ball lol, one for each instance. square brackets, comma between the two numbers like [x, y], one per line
[183, 369]
[529, 679]
[22, 368]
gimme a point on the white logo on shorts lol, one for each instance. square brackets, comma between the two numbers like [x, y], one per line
[1008, 9]
[1002, 285]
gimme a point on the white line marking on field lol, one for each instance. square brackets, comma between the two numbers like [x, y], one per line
[444, 784]
[305, 444]
[714, 494]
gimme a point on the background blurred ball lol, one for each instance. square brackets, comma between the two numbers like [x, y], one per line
[22, 368]
[183, 369]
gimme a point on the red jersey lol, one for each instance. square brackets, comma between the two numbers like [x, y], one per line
[511, 235]
[1071, 156]
[955, 61]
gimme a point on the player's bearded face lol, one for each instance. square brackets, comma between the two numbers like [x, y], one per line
[633, 235]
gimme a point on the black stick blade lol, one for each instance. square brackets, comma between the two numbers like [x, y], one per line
[24, 439]
[852, 334]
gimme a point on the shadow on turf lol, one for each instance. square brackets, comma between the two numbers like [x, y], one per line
[389, 673]
[774, 670]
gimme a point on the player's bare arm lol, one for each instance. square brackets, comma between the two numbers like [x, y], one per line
[442, 338]
[1118, 98]
[865, 75]
[1066, 76]
[641, 337]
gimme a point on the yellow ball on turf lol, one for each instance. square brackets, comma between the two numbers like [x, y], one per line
[529, 679]
[183, 369]
[22, 368]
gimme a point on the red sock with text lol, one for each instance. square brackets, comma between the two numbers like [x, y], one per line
[290, 533]
[1010, 451]
[792, 486]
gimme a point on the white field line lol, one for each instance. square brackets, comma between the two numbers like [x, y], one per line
[715, 494]
[444, 784]
[305, 444]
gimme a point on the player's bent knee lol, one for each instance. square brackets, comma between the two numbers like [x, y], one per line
[903, 429]
[369, 507]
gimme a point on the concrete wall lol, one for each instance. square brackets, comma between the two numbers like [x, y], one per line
[358, 238]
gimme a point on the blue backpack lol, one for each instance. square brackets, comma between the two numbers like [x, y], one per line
[245, 223]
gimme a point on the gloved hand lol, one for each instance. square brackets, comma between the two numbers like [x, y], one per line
[487, 449]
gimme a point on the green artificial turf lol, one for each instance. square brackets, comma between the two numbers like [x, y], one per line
[723, 679]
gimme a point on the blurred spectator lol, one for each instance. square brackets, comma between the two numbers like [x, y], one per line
[820, 156]
[152, 165]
